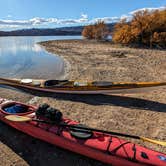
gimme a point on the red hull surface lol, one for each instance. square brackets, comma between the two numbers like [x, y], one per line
[103, 147]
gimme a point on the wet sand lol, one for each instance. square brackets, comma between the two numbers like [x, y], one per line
[141, 114]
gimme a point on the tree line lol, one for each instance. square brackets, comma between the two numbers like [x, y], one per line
[146, 28]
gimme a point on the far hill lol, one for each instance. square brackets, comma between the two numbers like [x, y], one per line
[76, 30]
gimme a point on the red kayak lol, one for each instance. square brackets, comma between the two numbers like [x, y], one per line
[97, 145]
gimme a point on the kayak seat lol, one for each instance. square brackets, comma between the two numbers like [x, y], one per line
[16, 108]
[50, 83]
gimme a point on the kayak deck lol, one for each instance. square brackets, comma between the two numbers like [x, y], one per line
[103, 147]
[82, 87]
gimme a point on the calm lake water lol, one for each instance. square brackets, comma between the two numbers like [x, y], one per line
[21, 57]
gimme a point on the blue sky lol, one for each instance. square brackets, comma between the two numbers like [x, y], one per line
[16, 14]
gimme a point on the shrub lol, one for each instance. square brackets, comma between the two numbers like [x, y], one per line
[146, 28]
[96, 31]
[88, 32]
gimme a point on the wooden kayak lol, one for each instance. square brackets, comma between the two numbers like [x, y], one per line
[81, 87]
[99, 146]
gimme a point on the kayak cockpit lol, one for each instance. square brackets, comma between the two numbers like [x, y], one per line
[16, 108]
[51, 83]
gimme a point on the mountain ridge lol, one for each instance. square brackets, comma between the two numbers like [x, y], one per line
[73, 30]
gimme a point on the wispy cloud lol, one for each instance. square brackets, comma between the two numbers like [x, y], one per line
[37, 21]
[41, 21]
[149, 9]
[82, 19]
[8, 26]
[105, 19]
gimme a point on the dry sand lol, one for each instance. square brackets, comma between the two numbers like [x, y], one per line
[141, 114]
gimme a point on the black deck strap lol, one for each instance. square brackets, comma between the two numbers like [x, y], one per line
[38, 125]
[135, 151]
[133, 148]
[109, 144]
[60, 128]
[117, 148]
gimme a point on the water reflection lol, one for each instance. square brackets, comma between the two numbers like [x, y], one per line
[22, 57]
[36, 48]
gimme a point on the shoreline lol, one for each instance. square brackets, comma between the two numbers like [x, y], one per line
[141, 114]
[67, 51]
[67, 68]
[66, 64]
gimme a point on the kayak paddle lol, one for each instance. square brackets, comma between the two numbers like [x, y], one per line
[17, 118]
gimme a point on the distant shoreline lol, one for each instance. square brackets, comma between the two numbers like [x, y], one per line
[40, 35]
[61, 31]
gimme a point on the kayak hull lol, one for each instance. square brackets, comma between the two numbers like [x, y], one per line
[105, 148]
[85, 88]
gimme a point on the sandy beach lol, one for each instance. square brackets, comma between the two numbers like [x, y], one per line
[141, 114]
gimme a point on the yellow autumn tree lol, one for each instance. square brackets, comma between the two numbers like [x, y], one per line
[96, 31]
[100, 30]
[88, 32]
[146, 28]
[159, 39]
[123, 33]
